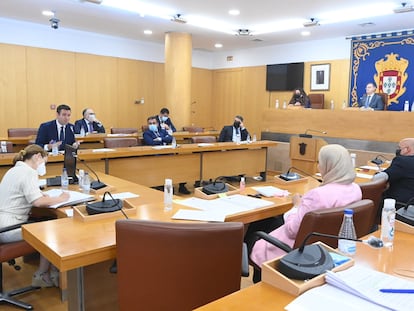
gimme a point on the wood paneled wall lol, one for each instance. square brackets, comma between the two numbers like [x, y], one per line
[34, 79]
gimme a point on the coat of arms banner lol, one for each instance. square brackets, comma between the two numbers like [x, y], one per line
[387, 60]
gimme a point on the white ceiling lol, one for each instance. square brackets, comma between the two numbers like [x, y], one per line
[81, 15]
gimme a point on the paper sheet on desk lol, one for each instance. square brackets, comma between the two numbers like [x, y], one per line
[75, 197]
[122, 195]
[362, 175]
[370, 167]
[103, 150]
[270, 191]
[199, 215]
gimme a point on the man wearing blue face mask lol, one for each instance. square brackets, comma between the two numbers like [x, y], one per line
[165, 122]
[154, 135]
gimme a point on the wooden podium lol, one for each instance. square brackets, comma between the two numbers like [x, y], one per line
[304, 153]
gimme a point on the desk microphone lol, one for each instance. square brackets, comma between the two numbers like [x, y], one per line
[306, 135]
[378, 161]
[288, 176]
[308, 261]
[406, 212]
[96, 184]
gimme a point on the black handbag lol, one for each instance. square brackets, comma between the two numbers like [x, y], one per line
[104, 206]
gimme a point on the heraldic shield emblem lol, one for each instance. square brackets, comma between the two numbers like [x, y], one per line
[391, 76]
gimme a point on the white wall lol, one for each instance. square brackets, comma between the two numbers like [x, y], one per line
[36, 35]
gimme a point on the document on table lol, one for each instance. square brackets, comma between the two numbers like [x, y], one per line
[357, 288]
[370, 167]
[187, 214]
[75, 197]
[121, 195]
[270, 191]
[103, 150]
[362, 175]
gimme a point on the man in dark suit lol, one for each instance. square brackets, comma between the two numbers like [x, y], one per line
[154, 136]
[371, 100]
[89, 123]
[236, 132]
[164, 120]
[58, 131]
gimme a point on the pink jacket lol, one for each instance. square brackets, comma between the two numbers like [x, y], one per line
[327, 196]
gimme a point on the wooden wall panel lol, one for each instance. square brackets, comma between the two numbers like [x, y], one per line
[12, 87]
[201, 109]
[50, 81]
[96, 87]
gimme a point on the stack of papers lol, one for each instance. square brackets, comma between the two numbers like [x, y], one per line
[103, 150]
[218, 209]
[74, 199]
[162, 147]
[270, 191]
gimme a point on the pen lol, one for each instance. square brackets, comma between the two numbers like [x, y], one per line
[397, 290]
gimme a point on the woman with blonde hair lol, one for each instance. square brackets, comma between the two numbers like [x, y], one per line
[336, 190]
[19, 192]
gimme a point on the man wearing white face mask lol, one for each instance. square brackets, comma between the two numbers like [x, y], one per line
[19, 192]
[89, 123]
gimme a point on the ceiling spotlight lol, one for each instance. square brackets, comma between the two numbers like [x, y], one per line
[404, 8]
[218, 45]
[148, 32]
[243, 32]
[178, 19]
[54, 22]
[311, 23]
[234, 12]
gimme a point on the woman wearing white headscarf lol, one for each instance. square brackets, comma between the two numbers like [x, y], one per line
[337, 189]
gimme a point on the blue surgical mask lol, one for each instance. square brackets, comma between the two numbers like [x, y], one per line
[164, 118]
[153, 127]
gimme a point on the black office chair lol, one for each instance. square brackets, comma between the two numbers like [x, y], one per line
[8, 253]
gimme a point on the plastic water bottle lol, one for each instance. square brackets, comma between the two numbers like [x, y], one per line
[344, 104]
[55, 149]
[388, 222]
[80, 181]
[406, 106]
[347, 231]
[353, 159]
[64, 180]
[248, 140]
[242, 184]
[168, 194]
[86, 184]
[174, 142]
[277, 104]
[284, 104]
[82, 132]
[254, 138]
[332, 105]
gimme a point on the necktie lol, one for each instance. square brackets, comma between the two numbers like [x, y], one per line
[368, 100]
[90, 127]
[62, 133]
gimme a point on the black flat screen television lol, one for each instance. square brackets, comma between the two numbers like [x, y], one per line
[69, 162]
[284, 77]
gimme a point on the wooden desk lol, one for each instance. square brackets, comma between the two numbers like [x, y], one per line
[185, 136]
[264, 297]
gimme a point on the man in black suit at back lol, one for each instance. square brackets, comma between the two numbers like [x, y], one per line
[236, 132]
[90, 124]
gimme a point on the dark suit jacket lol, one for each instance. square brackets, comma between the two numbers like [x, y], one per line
[48, 132]
[401, 179]
[375, 103]
[149, 137]
[168, 122]
[226, 134]
[97, 127]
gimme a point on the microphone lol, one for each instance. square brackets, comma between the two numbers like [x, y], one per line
[306, 135]
[406, 213]
[308, 261]
[378, 161]
[288, 176]
[96, 184]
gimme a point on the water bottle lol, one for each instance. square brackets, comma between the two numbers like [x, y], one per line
[80, 181]
[347, 231]
[332, 105]
[82, 132]
[284, 104]
[64, 180]
[86, 184]
[353, 159]
[168, 194]
[412, 107]
[344, 104]
[388, 222]
[174, 142]
[248, 140]
[55, 149]
[277, 104]
[242, 184]
[254, 138]
[406, 105]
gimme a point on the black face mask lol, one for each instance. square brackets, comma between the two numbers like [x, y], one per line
[398, 152]
[236, 124]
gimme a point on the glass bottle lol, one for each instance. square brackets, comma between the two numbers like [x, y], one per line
[168, 194]
[347, 231]
[64, 180]
[277, 104]
[406, 106]
[80, 181]
[388, 222]
[174, 142]
[86, 183]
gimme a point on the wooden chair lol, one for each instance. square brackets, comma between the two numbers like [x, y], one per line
[384, 97]
[373, 190]
[6, 145]
[203, 139]
[317, 100]
[120, 142]
[124, 130]
[193, 129]
[144, 128]
[8, 252]
[190, 264]
[21, 132]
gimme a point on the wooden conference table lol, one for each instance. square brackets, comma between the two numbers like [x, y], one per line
[86, 249]
[149, 166]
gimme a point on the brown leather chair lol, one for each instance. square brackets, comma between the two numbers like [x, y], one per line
[176, 266]
[317, 100]
[21, 132]
[8, 252]
[384, 97]
[111, 142]
[193, 129]
[9, 147]
[203, 139]
[124, 130]
[373, 190]
[144, 127]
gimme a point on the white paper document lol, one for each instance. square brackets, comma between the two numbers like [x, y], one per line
[122, 195]
[103, 150]
[270, 191]
[162, 147]
[205, 144]
[75, 197]
[362, 175]
[187, 214]
[370, 167]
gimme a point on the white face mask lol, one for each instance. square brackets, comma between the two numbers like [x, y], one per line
[41, 169]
